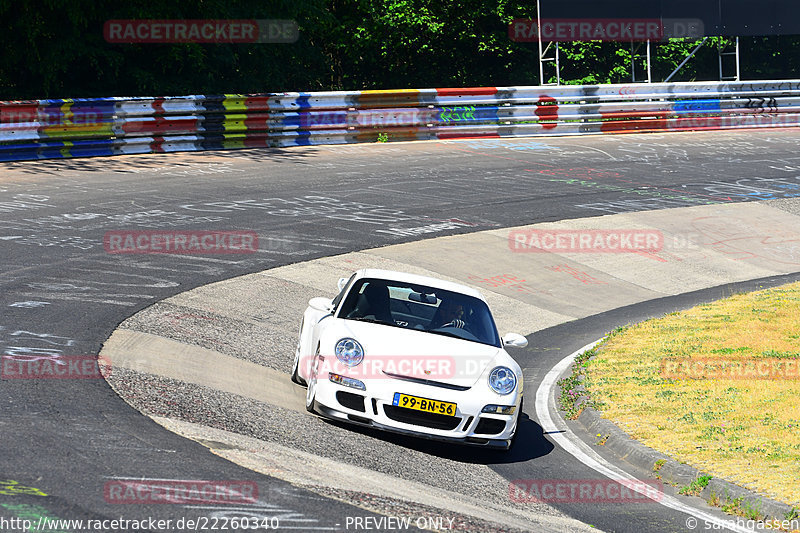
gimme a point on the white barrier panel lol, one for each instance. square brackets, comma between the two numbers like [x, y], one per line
[107, 126]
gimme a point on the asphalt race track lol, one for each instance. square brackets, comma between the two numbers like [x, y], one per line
[63, 294]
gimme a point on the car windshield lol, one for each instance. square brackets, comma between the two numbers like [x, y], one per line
[421, 308]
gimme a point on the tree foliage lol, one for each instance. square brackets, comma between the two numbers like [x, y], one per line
[56, 49]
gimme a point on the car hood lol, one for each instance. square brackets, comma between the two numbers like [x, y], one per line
[393, 352]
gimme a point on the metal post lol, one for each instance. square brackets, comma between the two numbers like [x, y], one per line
[721, 52]
[691, 54]
[544, 49]
[558, 66]
[539, 31]
[635, 54]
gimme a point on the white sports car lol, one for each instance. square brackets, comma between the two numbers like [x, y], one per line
[412, 355]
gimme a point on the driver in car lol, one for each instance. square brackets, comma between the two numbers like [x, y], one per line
[448, 315]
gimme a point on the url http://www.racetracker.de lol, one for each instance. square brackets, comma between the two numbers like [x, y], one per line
[202, 523]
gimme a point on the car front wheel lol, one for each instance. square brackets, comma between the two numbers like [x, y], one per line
[295, 376]
[312, 390]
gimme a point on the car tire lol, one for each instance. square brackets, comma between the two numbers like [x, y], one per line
[516, 429]
[311, 393]
[295, 376]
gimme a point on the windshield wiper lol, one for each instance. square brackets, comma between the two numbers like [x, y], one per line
[448, 334]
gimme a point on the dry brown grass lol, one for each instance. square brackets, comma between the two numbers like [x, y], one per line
[743, 430]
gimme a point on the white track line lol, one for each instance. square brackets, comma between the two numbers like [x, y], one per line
[569, 442]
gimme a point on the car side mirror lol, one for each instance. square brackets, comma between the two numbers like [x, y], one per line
[515, 339]
[341, 283]
[321, 304]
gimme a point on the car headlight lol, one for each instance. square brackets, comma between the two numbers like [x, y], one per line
[499, 409]
[502, 380]
[349, 352]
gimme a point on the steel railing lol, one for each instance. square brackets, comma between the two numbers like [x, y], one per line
[43, 129]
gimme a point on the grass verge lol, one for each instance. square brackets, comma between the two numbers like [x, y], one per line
[713, 387]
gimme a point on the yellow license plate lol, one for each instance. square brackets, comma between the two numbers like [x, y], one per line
[424, 404]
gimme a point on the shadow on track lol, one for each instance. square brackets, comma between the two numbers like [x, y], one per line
[143, 163]
[529, 444]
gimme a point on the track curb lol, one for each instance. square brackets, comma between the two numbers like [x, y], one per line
[543, 310]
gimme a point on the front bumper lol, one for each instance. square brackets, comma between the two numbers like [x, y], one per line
[373, 407]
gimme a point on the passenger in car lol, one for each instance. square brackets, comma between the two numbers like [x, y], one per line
[373, 302]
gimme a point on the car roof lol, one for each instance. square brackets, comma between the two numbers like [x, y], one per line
[418, 280]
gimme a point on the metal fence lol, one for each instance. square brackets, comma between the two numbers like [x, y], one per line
[43, 129]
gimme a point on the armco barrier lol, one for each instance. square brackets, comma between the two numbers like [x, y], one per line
[43, 129]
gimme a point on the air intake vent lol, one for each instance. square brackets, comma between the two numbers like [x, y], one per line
[418, 418]
[351, 401]
[490, 426]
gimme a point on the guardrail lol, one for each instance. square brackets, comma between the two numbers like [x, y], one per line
[43, 129]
